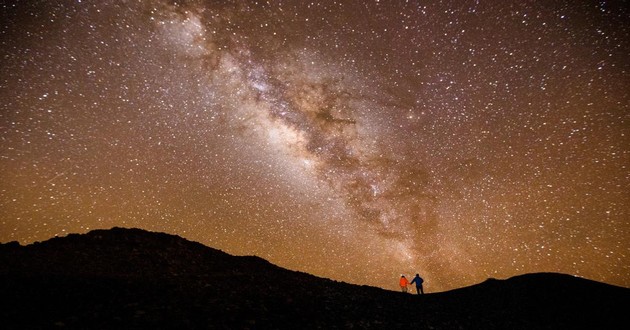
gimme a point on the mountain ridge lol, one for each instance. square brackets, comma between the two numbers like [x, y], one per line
[132, 279]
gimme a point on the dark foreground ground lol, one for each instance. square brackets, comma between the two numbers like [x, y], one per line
[134, 279]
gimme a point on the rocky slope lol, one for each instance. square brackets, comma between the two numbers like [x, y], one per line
[134, 279]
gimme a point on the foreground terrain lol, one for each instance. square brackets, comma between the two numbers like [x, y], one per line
[134, 279]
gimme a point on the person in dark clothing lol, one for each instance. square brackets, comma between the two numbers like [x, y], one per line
[418, 281]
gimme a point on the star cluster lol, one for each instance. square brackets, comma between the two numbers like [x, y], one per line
[355, 140]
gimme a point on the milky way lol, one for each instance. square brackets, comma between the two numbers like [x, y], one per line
[353, 140]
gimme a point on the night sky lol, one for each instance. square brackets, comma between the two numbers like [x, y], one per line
[354, 140]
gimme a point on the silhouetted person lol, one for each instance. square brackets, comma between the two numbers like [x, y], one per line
[403, 283]
[418, 281]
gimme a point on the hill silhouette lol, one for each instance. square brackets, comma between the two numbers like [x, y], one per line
[135, 279]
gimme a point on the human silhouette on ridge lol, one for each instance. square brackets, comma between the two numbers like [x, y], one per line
[418, 281]
[403, 283]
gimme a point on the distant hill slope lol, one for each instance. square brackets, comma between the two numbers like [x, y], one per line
[134, 279]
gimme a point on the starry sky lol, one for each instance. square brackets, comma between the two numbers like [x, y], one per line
[354, 140]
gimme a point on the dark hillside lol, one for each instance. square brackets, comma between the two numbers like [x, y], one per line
[134, 279]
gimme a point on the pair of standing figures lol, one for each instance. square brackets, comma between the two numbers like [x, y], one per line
[416, 280]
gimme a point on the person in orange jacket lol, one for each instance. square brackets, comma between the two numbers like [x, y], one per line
[403, 283]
